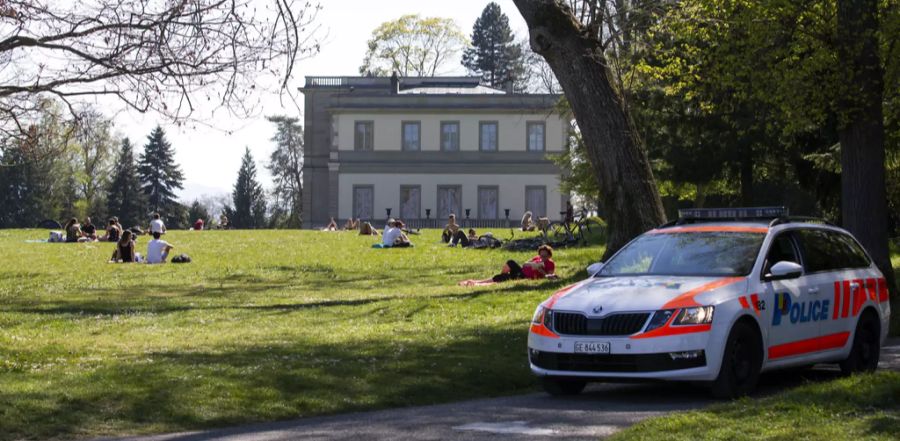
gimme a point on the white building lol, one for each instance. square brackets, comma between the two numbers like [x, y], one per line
[427, 147]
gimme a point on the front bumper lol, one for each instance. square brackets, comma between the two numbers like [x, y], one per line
[629, 358]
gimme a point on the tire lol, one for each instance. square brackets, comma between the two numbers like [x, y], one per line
[866, 348]
[556, 232]
[741, 363]
[562, 386]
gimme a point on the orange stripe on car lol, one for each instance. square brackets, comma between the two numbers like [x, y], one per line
[711, 229]
[543, 331]
[754, 300]
[558, 294]
[686, 300]
[744, 303]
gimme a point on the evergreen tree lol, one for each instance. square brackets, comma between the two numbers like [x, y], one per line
[160, 175]
[124, 197]
[286, 166]
[494, 54]
[248, 197]
[198, 211]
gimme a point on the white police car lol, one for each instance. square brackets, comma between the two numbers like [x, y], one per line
[717, 296]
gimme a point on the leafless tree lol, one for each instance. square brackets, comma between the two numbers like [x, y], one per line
[166, 56]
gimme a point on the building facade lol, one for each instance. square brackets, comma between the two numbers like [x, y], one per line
[422, 148]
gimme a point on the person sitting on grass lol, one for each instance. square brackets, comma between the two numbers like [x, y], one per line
[113, 232]
[393, 236]
[527, 223]
[73, 232]
[450, 229]
[539, 267]
[460, 238]
[158, 249]
[198, 225]
[88, 230]
[125, 249]
[157, 225]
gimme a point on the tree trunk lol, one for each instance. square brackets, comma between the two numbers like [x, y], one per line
[630, 197]
[864, 196]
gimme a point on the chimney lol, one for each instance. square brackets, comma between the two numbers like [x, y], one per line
[395, 83]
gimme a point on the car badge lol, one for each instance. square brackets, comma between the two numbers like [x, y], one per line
[597, 309]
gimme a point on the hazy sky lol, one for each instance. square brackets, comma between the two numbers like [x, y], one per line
[210, 158]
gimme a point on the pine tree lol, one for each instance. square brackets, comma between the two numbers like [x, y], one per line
[124, 198]
[286, 166]
[494, 54]
[160, 175]
[248, 197]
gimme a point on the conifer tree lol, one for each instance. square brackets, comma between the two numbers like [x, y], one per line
[124, 198]
[248, 197]
[160, 175]
[494, 54]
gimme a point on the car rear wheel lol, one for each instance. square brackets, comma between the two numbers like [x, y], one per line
[866, 346]
[562, 386]
[741, 363]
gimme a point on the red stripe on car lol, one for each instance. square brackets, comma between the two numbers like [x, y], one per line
[837, 300]
[817, 344]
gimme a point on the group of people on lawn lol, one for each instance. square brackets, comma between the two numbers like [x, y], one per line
[125, 239]
[395, 236]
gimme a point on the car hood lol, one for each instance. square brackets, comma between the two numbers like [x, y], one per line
[602, 295]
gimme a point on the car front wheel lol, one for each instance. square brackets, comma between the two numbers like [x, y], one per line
[741, 363]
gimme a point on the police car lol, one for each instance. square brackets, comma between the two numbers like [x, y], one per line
[717, 296]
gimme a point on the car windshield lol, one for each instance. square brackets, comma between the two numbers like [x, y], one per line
[687, 254]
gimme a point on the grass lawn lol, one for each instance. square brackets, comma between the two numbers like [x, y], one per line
[854, 408]
[263, 325]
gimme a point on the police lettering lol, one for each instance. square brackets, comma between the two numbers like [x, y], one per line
[798, 312]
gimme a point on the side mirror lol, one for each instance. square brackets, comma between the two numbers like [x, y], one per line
[784, 270]
[594, 268]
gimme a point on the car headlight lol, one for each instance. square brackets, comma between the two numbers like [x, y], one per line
[700, 315]
[659, 319]
[543, 316]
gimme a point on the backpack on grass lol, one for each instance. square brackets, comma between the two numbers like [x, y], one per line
[181, 258]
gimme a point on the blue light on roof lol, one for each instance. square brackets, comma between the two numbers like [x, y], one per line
[733, 213]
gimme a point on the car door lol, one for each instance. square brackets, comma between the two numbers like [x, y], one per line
[825, 256]
[788, 312]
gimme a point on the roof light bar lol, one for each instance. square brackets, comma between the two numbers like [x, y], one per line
[733, 213]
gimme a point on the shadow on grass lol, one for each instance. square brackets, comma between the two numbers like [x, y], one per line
[190, 390]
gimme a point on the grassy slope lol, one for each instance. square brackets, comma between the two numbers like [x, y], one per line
[263, 325]
[859, 407]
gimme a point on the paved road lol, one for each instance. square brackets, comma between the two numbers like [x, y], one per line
[600, 411]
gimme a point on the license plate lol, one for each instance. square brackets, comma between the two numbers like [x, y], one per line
[585, 347]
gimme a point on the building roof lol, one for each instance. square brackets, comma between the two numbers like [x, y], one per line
[445, 90]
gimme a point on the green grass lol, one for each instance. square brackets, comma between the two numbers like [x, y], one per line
[859, 407]
[263, 325]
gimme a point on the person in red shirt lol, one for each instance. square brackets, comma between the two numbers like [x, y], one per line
[198, 225]
[539, 267]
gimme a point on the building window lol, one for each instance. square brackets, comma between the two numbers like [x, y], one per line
[536, 136]
[487, 136]
[536, 201]
[364, 135]
[410, 202]
[450, 136]
[364, 202]
[449, 200]
[412, 135]
[488, 202]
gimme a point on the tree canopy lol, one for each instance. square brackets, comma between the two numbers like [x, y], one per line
[412, 46]
[494, 54]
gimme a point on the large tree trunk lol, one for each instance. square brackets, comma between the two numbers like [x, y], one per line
[864, 198]
[630, 197]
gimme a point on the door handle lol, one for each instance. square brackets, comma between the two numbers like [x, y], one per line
[813, 290]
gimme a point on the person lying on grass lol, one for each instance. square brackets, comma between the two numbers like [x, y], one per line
[460, 238]
[366, 229]
[393, 236]
[351, 224]
[332, 226]
[539, 267]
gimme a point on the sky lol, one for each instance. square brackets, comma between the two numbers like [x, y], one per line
[210, 156]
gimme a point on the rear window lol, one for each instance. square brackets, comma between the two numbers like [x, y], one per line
[825, 250]
[687, 254]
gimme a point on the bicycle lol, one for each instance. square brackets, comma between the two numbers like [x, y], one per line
[569, 233]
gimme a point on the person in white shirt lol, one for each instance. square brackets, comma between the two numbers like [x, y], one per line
[393, 236]
[157, 225]
[158, 249]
